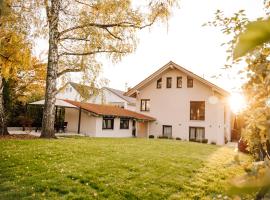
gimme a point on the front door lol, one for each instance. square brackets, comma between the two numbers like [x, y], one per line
[167, 131]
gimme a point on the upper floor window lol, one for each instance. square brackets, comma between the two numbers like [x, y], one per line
[197, 110]
[189, 82]
[145, 105]
[179, 82]
[169, 82]
[124, 123]
[159, 83]
[107, 123]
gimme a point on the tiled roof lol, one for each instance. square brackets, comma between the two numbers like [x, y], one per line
[120, 93]
[109, 110]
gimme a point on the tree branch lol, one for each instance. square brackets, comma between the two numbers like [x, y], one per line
[105, 26]
[61, 88]
[68, 70]
[90, 53]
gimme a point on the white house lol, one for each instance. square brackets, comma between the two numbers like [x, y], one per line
[78, 92]
[185, 105]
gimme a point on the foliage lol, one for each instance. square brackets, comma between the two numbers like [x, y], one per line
[103, 168]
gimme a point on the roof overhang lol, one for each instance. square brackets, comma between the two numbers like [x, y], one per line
[58, 102]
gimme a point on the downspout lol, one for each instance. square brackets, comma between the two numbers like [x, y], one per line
[79, 122]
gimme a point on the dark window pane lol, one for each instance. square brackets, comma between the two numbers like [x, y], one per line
[124, 123]
[159, 83]
[169, 82]
[189, 82]
[197, 110]
[107, 123]
[179, 82]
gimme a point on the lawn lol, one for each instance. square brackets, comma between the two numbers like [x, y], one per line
[87, 168]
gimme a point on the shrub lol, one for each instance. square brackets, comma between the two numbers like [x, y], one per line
[151, 136]
[213, 143]
[205, 141]
[192, 140]
[163, 137]
[178, 138]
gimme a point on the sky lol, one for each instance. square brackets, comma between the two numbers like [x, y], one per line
[185, 42]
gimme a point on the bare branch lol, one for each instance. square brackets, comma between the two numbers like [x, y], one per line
[74, 38]
[61, 88]
[90, 53]
[105, 26]
[116, 37]
[68, 70]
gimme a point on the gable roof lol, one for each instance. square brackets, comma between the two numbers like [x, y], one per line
[84, 90]
[173, 65]
[109, 110]
[121, 94]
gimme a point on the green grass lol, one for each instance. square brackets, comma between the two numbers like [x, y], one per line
[85, 168]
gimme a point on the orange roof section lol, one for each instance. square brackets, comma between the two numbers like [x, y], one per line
[109, 110]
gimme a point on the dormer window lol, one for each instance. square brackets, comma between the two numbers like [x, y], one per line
[169, 82]
[159, 83]
[189, 82]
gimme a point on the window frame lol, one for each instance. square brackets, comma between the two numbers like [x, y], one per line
[145, 107]
[159, 81]
[179, 78]
[167, 82]
[124, 119]
[197, 118]
[188, 82]
[196, 128]
[112, 122]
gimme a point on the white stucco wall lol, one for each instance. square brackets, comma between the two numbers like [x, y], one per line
[69, 93]
[171, 106]
[116, 132]
[88, 123]
[107, 97]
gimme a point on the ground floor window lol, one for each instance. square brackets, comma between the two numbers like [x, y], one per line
[167, 131]
[196, 133]
[124, 123]
[107, 123]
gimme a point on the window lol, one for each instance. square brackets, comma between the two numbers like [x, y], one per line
[196, 133]
[124, 123]
[167, 131]
[145, 105]
[179, 82]
[197, 110]
[189, 82]
[169, 82]
[107, 123]
[159, 83]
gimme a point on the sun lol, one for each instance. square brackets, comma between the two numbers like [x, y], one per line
[237, 102]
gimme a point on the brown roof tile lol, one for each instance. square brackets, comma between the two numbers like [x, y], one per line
[109, 110]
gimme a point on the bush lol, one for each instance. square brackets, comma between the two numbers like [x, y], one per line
[163, 137]
[192, 140]
[213, 143]
[151, 136]
[205, 141]
[178, 138]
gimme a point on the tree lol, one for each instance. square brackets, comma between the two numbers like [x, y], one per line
[250, 42]
[15, 51]
[81, 31]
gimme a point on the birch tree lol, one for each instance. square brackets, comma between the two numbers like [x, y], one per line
[80, 32]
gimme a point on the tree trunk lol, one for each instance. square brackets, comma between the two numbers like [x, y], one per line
[52, 69]
[3, 120]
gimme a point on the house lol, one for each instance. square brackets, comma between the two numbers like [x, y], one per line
[99, 120]
[113, 97]
[184, 105]
[78, 92]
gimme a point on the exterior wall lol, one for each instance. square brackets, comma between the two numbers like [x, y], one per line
[88, 123]
[108, 97]
[116, 132]
[69, 93]
[171, 106]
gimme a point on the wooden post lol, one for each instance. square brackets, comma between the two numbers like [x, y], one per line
[79, 122]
